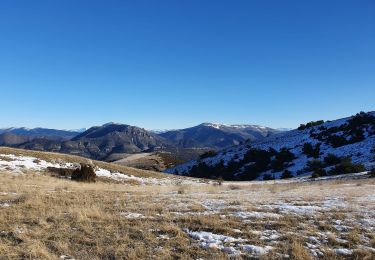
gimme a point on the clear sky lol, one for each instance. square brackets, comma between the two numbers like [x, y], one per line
[172, 64]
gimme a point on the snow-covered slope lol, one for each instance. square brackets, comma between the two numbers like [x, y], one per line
[352, 137]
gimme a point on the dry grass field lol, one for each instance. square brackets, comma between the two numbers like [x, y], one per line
[44, 217]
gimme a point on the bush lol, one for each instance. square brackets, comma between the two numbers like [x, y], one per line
[310, 124]
[282, 158]
[319, 172]
[310, 150]
[287, 175]
[85, 173]
[346, 166]
[268, 177]
[337, 141]
[285, 155]
[331, 159]
[314, 165]
[372, 173]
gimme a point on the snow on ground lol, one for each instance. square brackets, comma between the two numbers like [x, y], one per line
[256, 214]
[18, 165]
[132, 215]
[228, 244]
[15, 163]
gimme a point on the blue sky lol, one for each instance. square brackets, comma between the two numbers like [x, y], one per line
[173, 64]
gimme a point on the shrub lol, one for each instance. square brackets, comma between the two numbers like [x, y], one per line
[310, 150]
[337, 140]
[346, 166]
[259, 159]
[85, 173]
[282, 158]
[310, 124]
[285, 155]
[361, 119]
[277, 166]
[372, 173]
[319, 172]
[331, 159]
[268, 177]
[287, 175]
[314, 165]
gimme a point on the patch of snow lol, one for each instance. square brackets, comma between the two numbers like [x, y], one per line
[256, 250]
[228, 244]
[131, 215]
[343, 251]
[256, 214]
[164, 237]
[211, 240]
[270, 235]
[4, 205]
[17, 163]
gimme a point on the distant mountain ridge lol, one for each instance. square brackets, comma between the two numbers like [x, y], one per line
[40, 132]
[217, 136]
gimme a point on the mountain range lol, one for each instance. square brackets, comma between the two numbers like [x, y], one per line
[114, 140]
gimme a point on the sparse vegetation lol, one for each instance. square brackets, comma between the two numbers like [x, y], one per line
[351, 132]
[254, 162]
[342, 166]
[310, 124]
[268, 177]
[310, 150]
[372, 173]
[331, 159]
[346, 166]
[287, 174]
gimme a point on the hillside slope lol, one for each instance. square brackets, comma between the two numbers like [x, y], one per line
[317, 147]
